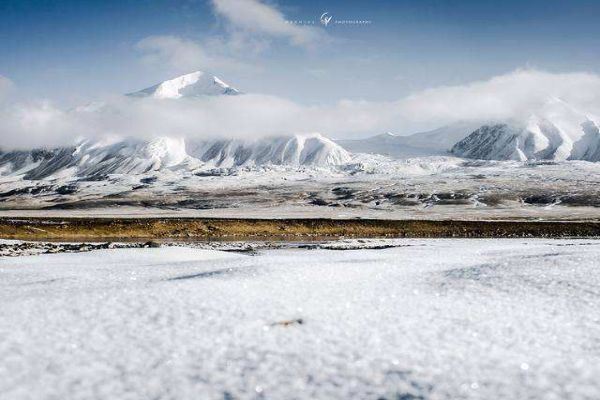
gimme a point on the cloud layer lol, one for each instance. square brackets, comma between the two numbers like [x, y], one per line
[511, 96]
[6, 86]
[256, 18]
[182, 55]
[250, 27]
[514, 95]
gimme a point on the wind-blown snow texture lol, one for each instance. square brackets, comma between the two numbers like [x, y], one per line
[435, 319]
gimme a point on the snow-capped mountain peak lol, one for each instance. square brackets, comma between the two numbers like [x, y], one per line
[194, 84]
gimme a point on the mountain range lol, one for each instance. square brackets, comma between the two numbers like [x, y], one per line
[92, 160]
[95, 159]
[557, 131]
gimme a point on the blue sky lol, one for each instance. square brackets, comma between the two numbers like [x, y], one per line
[75, 51]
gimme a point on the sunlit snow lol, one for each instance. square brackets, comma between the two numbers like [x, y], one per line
[430, 319]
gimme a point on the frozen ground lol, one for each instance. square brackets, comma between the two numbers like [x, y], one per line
[367, 187]
[439, 319]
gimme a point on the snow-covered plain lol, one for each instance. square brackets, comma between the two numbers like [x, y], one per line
[369, 187]
[439, 319]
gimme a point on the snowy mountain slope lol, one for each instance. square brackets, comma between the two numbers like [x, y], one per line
[430, 143]
[557, 132]
[539, 140]
[490, 142]
[588, 146]
[308, 150]
[95, 160]
[194, 84]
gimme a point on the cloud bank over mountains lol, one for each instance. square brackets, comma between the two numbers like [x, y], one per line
[511, 96]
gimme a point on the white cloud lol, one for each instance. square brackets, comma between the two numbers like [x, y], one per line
[179, 55]
[6, 86]
[512, 95]
[37, 124]
[253, 17]
[249, 28]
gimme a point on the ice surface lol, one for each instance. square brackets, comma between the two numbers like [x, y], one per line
[435, 319]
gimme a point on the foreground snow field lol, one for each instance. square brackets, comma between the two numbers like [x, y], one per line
[436, 319]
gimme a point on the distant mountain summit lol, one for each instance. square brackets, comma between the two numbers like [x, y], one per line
[431, 143]
[194, 84]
